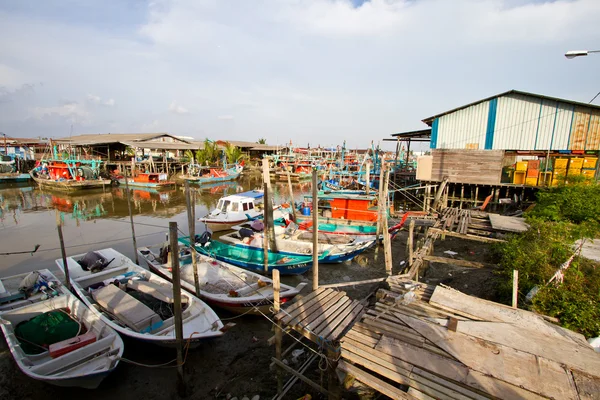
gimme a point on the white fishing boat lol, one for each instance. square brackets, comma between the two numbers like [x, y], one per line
[52, 335]
[234, 209]
[221, 284]
[136, 302]
[290, 240]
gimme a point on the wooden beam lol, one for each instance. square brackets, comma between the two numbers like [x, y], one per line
[300, 376]
[461, 263]
[373, 382]
[342, 284]
[467, 236]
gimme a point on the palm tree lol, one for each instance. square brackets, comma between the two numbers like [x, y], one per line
[262, 141]
[233, 154]
[209, 155]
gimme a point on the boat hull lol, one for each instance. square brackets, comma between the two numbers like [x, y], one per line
[217, 226]
[152, 185]
[71, 185]
[14, 178]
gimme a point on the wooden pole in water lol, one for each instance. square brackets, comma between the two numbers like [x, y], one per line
[315, 220]
[380, 202]
[387, 243]
[368, 177]
[62, 249]
[265, 231]
[177, 307]
[130, 214]
[515, 292]
[411, 233]
[291, 195]
[278, 332]
[192, 230]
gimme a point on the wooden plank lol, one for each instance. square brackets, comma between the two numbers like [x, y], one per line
[508, 224]
[335, 317]
[582, 358]
[354, 335]
[588, 387]
[305, 306]
[326, 328]
[489, 311]
[469, 236]
[418, 395]
[342, 284]
[453, 370]
[400, 372]
[354, 314]
[365, 331]
[317, 309]
[521, 369]
[461, 263]
[373, 382]
[298, 303]
[340, 304]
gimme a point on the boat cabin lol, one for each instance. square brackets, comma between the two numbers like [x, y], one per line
[351, 207]
[151, 177]
[239, 203]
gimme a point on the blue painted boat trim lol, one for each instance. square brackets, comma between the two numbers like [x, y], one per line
[434, 134]
[553, 127]
[571, 128]
[537, 130]
[491, 124]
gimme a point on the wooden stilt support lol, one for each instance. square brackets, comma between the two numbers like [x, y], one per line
[287, 172]
[387, 243]
[411, 232]
[515, 292]
[181, 386]
[266, 232]
[278, 327]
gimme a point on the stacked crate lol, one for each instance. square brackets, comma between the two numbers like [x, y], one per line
[533, 170]
[520, 173]
[589, 167]
[575, 166]
[559, 171]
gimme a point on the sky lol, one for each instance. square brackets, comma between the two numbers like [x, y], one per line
[316, 72]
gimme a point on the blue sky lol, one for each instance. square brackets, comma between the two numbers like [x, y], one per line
[310, 71]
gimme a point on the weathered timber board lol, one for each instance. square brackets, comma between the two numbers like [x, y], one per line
[467, 166]
[536, 374]
[508, 224]
[375, 383]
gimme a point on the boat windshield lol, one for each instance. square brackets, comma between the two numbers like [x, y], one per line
[223, 204]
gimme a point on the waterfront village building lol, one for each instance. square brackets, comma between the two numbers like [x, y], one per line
[513, 138]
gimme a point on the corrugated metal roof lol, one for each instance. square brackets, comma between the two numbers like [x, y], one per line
[161, 145]
[91, 139]
[429, 120]
[421, 133]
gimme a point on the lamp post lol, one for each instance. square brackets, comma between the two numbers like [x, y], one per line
[579, 53]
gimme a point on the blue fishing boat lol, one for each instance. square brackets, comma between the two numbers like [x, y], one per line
[253, 258]
[147, 180]
[9, 172]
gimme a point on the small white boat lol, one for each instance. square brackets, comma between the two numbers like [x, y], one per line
[135, 302]
[233, 210]
[221, 284]
[91, 350]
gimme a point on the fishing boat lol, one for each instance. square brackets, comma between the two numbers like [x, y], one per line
[292, 241]
[69, 175]
[52, 335]
[253, 258]
[234, 209]
[135, 302]
[341, 227]
[147, 180]
[200, 175]
[221, 284]
[9, 172]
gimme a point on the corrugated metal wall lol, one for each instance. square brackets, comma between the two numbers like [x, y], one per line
[466, 126]
[520, 122]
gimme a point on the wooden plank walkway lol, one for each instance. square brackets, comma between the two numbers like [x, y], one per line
[321, 316]
[443, 344]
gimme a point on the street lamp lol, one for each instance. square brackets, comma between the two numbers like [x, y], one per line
[579, 53]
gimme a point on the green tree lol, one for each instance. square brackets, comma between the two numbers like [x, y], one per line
[209, 154]
[233, 153]
[262, 141]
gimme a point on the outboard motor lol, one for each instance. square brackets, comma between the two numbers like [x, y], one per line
[203, 239]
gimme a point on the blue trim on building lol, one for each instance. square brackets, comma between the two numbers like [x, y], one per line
[553, 127]
[491, 124]
[571, 128]
[537, 130]
[434, 134]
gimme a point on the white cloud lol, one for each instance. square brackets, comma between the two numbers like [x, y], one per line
[177, 109]
[307, 70]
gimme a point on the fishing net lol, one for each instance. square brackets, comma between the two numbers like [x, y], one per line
[164, 310]
[48, 328]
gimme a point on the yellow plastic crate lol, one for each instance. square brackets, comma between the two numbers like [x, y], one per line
[574, 171]
[545, 178]
[575, 163]
[519, 177]
[589, 173]
[531, 181]
[560, 163]
[590, 162]
[521, 166]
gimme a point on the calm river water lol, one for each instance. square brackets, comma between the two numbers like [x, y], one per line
[100, 219]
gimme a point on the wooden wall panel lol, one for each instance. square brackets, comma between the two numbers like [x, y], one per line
[482, 167]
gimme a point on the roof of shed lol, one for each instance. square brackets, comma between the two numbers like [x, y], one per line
[91, 139]
[429, 120]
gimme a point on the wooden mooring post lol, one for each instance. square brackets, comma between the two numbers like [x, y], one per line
[278, 330]
[292, 204]
[62, 249]
[515, 288]
[265, 232]
[130, 215]
[191, 207]
[387, 242]
[181, 386]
